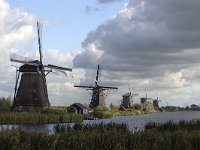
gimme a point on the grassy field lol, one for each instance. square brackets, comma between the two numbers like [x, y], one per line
[168, 136]
[38, 118]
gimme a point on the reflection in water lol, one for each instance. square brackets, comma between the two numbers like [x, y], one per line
[45, 127]
[133, 122]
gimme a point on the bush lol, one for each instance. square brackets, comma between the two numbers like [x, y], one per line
[138, 107]
[101, 112]
[148, 107]
[5, 104]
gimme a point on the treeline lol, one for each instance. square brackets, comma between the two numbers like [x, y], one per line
[5, 104]
[170, 136]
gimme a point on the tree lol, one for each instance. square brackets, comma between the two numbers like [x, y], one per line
[5, 103]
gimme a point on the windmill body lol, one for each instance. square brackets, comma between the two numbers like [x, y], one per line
[32, 90]
[156, 102]
[31, 87]
[98, 94]
[98, 98]
[126, 100]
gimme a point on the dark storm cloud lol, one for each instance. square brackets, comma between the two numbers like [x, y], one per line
[146, 36]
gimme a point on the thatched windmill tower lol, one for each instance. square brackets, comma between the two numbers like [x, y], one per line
[31, 87]
[156, 102]
[127, 101]
[98, 95]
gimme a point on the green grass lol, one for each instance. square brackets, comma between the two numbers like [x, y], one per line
[172, 126]
[55, 114]
[156, 136]
[38, 117]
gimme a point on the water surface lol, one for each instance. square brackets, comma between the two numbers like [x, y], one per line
[134, 122]
[139, 121]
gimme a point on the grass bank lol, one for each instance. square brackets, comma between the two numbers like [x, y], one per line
[52, 115]
[43, 117]
[59, 115]
[181, 136]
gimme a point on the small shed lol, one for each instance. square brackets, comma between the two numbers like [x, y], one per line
[77, 108]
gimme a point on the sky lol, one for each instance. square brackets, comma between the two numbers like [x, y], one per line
[151, 45]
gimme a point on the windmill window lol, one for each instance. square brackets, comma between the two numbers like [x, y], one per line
[34, 95]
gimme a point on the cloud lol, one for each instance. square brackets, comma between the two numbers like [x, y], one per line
[147, 40]
[15, 27]
[146, 35]
[90, 56]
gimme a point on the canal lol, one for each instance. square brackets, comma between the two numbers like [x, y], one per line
[136, 122]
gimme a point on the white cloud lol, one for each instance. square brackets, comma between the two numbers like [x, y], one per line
[15, 27]
[90, 56]
[58, 57]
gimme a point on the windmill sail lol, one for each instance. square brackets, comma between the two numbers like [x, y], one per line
[39, 26]
[21, 59]
[97, 76]
[82, 86]
[58, 67]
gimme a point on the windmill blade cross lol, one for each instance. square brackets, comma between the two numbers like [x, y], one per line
[108, 87]
[82, 86]
[97, 76]
[58, 67]
[39, 26]
[89, 89]
[18, 58]
[63, 72]
[24, 60]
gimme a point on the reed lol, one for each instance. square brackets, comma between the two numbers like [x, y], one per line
[172, 126]
[107, 136]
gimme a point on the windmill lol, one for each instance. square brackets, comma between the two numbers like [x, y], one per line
[144, 99]
[127, 99]
[156, 102]
[31, 87]
[98, 95]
